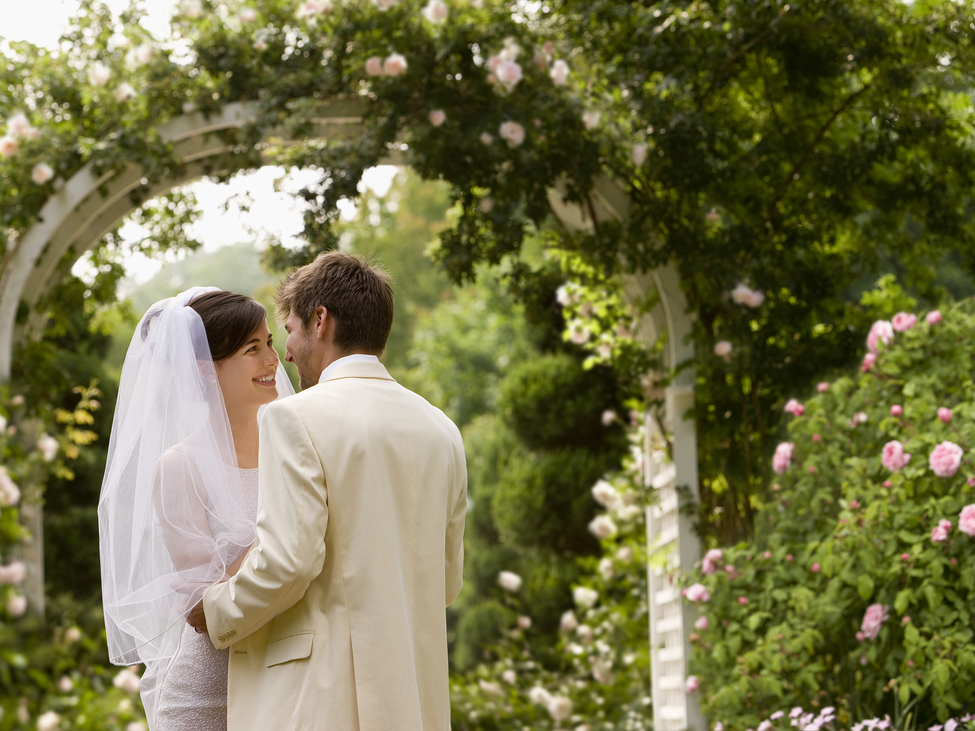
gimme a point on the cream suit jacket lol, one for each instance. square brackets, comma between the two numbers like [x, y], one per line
[336, 619]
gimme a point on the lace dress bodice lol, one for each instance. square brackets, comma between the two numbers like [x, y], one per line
[194, 693]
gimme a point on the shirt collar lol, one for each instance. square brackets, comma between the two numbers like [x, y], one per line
[354, 358]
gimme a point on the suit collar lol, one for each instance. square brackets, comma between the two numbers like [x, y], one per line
[358, 369]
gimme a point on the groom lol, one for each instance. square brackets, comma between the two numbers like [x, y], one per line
[336, 618]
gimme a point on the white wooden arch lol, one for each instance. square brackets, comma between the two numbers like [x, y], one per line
[83, 210]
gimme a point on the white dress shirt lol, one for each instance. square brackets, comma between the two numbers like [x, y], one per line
[354, 358]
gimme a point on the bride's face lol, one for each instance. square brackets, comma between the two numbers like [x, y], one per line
[247, 376]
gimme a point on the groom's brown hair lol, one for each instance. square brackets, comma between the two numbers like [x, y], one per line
[357, 294]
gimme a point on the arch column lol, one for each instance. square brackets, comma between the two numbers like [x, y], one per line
[669, 533]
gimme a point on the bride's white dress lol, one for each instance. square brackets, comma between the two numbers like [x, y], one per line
[193, 696]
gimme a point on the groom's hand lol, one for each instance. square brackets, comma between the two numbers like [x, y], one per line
[197, 619]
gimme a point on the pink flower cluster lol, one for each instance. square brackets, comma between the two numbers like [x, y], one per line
[903, 322]
[745, 295]
[873, 620]
[782, 459]
[697, 593]
[893, 456]
[794, 407]
[940, 532]
[966, 521]
[945, 459]
[880, 332]
[709, 564]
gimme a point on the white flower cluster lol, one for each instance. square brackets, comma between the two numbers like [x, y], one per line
[505, 71]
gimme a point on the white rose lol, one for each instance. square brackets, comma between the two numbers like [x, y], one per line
[605, 494]
[512, 133]
[48, 721]
[487, 138]
[437, 117]
[127, 680]
[99, 74]
[559, 707]
[436, 11]
[18, 125]
[17, 605]
[559, 72]
[606, 568]
[539, 696]
[247, 15]
[143, 54]
[585, 597]
[48, 447]
[568, 622]
[125, 92]
[591, 119]
[41, 173]
[602, 526]
[723, 349]
[638, 154]
[509, 581]
[509, 676]
[65, 684]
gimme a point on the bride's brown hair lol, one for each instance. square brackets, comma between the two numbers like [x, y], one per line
[228, 318]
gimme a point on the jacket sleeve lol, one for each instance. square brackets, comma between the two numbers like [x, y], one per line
[455, 526]
[289, 551]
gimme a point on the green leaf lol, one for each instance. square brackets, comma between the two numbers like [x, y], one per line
[903, 600]
[865, 587]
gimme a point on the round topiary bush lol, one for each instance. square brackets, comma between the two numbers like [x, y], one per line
[858, 591]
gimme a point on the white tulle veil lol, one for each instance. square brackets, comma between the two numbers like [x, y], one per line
[171, 512]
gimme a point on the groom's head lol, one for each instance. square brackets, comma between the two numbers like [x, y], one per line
[335, 306]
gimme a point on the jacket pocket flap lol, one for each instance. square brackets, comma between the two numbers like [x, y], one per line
[291, 647]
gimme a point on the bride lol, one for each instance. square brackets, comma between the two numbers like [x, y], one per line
[178, 504]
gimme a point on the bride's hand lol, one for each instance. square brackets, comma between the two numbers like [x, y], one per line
[197, 619]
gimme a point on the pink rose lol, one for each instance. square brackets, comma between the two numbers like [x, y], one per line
[8, 146]
[788, 557]
[767, 555]
[940, 532]
[944, 414]
[817, 438]
[946, 459]
[861, 637]
[701, 625]
[697, 593]
[743, 600]
[794, 407]
[692, 684]
[966, 521]
[873, 619]
[893, 456]
[823, 387]
[854, 504]
[814, 568]
[903, 322]
[905, 557]
[782, 459]
[880, 331]
[933, 317]
[395, 64]
[374, 66]
[896, 410]
[868, 360]
[708, 564]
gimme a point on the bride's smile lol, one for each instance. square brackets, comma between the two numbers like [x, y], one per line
[248, 376]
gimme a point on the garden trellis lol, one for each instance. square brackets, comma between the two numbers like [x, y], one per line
[97, 130]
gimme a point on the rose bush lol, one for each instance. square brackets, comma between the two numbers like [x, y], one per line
[859, 588]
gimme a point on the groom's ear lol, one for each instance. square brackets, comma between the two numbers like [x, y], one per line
[320, 321]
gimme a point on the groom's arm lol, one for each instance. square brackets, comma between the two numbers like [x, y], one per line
[291, 520]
